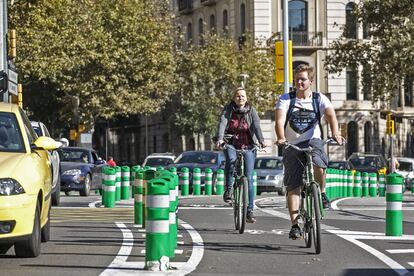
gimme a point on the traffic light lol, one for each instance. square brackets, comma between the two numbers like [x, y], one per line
[390, 127]
[280, 73]
[4, 80]
[73, 134]
[12, 41]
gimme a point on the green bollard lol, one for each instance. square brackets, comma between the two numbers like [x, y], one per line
[125, 182]
[110, 188]
[393, 197]
[381, 185]
[328, 180]
[349, 186]
[208, 182]
[157, 223]
[196, 181]
[118, 183]
[357, 184]
[149, 174]
[255, 183]
[134, 180]
[103, 183]
[173, 170]
[172, 182]
[184, 182]
[138, 198]
[365, 180]
[220, 182]
[372, 184]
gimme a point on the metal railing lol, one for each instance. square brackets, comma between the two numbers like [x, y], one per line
[300, 38]
[185, 6]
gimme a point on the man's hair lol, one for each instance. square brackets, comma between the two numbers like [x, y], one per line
[305, 68]
[238, 89]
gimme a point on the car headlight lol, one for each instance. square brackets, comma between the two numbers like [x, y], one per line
[73, 172]
[271, 177]
[9, 186]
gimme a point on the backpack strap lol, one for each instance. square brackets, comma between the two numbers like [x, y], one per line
[292, 96]
[316, 99]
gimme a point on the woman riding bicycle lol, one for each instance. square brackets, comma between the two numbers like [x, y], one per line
[298, 116]
[240, 119]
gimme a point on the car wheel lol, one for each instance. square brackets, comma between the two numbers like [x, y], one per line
[5, 247]
[30, 247]
[56, 194]
[87, 187]
[45, 233]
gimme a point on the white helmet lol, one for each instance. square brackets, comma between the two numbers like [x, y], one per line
[64, 141]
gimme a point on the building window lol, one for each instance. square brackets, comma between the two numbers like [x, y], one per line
[351, 84]
[408, 91]
[189, 32]
[225, 22]
[352, 138]
[367, 82]
[350, 30]
[212, 23]
[368, 137]
[298, 22]
[242, 19]
[200, 31]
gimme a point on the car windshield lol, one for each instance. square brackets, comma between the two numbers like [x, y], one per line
[158, 161]
[268, 164]
[405, 166]
[73, 155]
[365, 162]
[197, 157]
[10, 134]
[340, 165]
[38, 130]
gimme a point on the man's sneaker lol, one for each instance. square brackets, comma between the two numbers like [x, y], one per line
[227, 195]
[325, 201]
[295, 232]
[250, 218]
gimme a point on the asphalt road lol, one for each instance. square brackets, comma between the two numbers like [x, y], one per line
[90, 240]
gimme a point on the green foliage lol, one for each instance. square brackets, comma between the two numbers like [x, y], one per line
[208, 74]
[389, 52]
[116, 57]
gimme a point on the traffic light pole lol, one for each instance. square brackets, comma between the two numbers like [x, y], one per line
[3, 47]
[286, 47]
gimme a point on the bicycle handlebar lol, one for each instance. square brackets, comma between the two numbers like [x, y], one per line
[227, 138]
[329, 141]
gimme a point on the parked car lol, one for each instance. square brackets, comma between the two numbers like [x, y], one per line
[25, 183]
[80, 170]
[159, 159]
[201, 159]
[269, 171]
[406, 169]
[41, 130]
[368, 162]
[339, 165]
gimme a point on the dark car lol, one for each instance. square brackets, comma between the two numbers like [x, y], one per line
[199, 159]
[80, 170]
[368, 162]
[339, 165]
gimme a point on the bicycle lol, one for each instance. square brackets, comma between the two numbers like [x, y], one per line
[240, 189]
[310, 206]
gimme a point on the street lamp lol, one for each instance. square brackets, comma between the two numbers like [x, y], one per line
[243, 79]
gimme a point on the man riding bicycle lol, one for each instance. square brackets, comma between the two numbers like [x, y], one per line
[298, 120]
[240, 119]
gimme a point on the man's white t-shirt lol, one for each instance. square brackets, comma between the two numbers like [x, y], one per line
[303, 104]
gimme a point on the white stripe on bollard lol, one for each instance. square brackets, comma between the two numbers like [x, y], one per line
[172, 217]
[157, 226]
[111, 177]
[394, 206]
[109, 188]
[138, 197]
[394, 189]
[157, 201]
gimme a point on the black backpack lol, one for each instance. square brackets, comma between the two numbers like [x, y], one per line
[316, 99]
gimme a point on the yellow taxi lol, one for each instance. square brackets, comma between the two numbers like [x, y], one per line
[25, 183]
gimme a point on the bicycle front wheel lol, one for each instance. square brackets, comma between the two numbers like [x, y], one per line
[236, 205]
[316, 217]
[244, 189]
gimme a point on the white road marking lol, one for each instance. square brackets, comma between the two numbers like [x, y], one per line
[411, 263]
[334, 204]
[93, 204]
[399, 251]
[120, 266]
[180, 242]
[176, 251]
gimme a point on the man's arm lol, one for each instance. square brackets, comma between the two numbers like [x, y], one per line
[280, 119]
[333, 124]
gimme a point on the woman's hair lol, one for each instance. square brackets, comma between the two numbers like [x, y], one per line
[237, 89]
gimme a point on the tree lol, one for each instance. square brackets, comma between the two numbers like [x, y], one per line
[209, 73]
[113, 57]
[388, 56]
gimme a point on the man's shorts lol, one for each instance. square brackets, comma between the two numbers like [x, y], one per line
[294, 162]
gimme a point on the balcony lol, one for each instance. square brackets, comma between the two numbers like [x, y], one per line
[208, 2]
[185, 6]
[309, 39]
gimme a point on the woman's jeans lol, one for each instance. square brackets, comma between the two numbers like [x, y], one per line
[249, 158]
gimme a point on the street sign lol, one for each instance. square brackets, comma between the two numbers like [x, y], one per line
[86, 138]
[13, 88]
[13, 76]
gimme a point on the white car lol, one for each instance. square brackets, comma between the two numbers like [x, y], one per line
[41, 130]
[159, 160]
[406, 169]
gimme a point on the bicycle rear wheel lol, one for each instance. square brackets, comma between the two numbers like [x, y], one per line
[316, 217]
[236, 205]
[243, 188]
